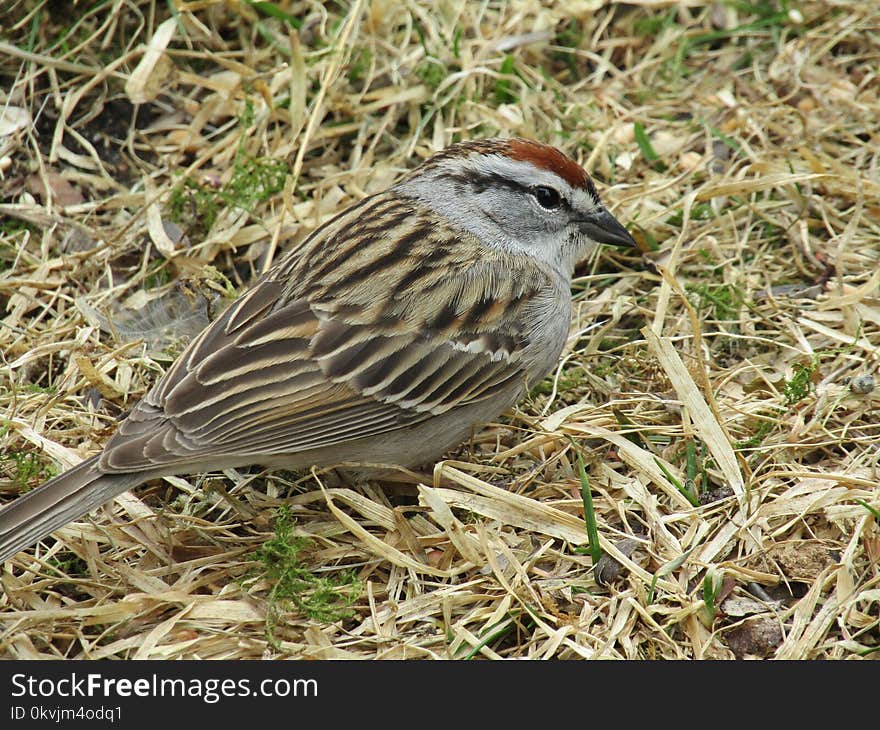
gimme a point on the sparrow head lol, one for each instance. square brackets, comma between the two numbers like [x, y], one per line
[520, 195]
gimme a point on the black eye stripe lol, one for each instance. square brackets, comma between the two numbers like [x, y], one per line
[480, 182]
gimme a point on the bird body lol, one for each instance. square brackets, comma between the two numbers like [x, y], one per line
[382, 337]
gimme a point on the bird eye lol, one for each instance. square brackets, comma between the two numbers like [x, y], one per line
[547, 198]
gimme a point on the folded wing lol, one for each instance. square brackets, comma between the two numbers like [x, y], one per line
[301, 361]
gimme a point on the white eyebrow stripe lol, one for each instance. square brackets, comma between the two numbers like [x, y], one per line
[518, 171]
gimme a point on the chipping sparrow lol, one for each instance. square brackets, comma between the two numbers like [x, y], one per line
[382, 337]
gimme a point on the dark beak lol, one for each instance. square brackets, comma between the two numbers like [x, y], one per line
[603, 227]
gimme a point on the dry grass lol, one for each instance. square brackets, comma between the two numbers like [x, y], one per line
[739, 143]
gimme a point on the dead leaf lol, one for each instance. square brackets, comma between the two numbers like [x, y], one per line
[60, 189]
[147, 79]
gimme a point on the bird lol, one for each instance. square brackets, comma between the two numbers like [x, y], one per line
[383, 336]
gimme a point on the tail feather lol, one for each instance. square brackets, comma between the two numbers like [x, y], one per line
[67, 497]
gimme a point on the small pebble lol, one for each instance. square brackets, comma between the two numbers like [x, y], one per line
[862, 384]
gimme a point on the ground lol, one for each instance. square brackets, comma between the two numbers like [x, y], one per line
[717, 387]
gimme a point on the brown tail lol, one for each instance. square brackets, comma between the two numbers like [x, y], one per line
[60, 500]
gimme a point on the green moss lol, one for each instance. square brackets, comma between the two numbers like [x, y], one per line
[323, 598]
[36, 388]
[69, 565]
[254, 179]
[801, 383]
[360, 61]
[431, 72]
[568, 380]
[193, 206]
[760, 431]
[158, 276]
[722, 301]
[10, 225]
[28, 468]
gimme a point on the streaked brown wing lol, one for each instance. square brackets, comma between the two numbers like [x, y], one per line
[280, 373]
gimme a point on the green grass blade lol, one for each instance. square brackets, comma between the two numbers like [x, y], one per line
[688, 495]
[712, 582]
[589, 513]
[644, 142]
[495, 631]
[870, 509]
[647, 149]
[667, 568]
[273, 11]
